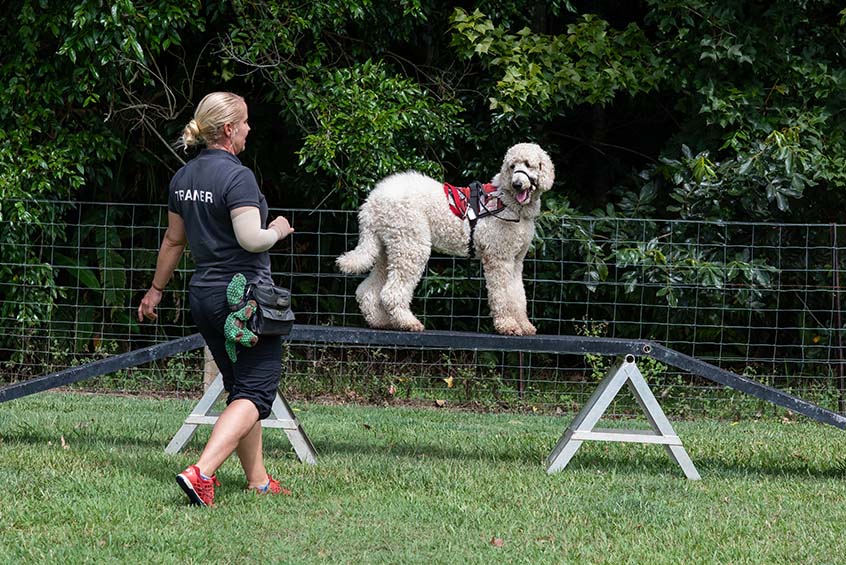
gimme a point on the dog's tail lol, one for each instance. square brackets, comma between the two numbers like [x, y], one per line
[363, 257]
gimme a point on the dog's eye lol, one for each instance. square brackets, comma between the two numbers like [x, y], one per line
[512, 166]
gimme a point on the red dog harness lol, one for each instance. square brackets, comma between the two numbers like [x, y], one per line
[473, 202]
[459, 201]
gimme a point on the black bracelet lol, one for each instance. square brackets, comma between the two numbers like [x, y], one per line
[153, 285]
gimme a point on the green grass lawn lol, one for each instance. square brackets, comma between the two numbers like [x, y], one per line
[85, 479]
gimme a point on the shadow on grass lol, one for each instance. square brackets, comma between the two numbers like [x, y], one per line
[414, 450]
[774, 468]
[656, 461]
[591, 457]
[630, 459]
[34, 436]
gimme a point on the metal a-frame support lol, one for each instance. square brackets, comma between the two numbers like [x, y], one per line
[582, 428]
[281, 416]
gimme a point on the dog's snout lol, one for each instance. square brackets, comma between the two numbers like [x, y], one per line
[520, 180]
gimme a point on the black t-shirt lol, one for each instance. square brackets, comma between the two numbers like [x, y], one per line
[203, 192]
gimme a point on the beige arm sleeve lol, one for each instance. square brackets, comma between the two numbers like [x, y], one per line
[246, 222]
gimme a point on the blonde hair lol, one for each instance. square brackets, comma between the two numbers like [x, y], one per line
[213, 111]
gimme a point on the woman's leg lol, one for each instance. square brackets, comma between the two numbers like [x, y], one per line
[250, 453]
[251, 382]
[237, 424]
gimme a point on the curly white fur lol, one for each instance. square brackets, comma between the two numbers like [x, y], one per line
[407, 215]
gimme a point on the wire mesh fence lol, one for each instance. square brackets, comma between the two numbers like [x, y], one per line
[762, 300]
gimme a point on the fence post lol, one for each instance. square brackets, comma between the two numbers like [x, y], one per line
[835, 263]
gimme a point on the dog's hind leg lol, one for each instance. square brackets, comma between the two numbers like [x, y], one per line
[407, 259]
[369, 293]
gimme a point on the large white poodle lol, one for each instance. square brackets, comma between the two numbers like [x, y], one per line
[408, 214]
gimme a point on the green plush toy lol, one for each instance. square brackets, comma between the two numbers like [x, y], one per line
[235, 327]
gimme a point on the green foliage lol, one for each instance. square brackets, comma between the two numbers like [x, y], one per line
[536, 74]
[282, 35]
[358, 119]
[122, 35]
[765, 83]
[368, 124]
[756, 184]
[29, 289]
[87, 63]
[72, 71]
[683, 109]
[671, 262]
[101, 285]
[651, 368]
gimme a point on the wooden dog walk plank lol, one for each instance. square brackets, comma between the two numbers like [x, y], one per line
[748, 386]
[102, 367]
[468, 341]
[565, 344]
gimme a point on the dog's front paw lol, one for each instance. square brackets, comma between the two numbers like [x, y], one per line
[528, 328]
[406, 321]
[415, 327]
[508, 327]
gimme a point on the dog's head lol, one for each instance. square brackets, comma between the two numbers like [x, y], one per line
[527, 172]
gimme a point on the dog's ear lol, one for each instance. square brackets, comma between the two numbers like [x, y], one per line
[510, 157]
[496, 180]
[547, 172]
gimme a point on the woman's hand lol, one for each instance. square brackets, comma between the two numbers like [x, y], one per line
[281, 226]
[173, 244]
[147, 309]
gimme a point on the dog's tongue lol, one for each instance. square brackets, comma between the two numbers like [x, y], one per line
[522, 196]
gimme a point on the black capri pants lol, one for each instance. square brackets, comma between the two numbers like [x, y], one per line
[255, 375]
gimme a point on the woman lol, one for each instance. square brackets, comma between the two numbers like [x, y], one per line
[215, 205]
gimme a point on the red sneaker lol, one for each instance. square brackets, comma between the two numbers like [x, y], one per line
[272, 487]
[199, 490]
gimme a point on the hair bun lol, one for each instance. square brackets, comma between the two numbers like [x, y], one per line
[214, 111]
[191, 134]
